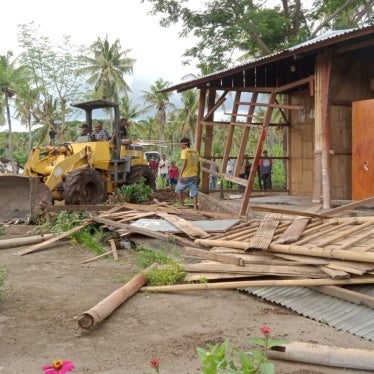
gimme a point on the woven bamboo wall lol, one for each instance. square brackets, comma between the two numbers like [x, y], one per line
[350, 81]
[301, 145]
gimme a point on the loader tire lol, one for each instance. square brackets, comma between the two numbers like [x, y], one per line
[84, 187]
[139, 172]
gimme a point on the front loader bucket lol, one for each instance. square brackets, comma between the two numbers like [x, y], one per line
[21, 197]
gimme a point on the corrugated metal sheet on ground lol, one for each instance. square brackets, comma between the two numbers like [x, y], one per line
[355, 319]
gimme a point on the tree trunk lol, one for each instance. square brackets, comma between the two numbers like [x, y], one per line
[10, 137]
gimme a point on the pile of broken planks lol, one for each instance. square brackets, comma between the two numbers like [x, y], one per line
[281, 249]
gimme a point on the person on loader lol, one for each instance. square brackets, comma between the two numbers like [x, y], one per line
[85, 135]
[98, 133]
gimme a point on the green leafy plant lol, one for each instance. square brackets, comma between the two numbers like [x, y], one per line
[145, 257]
[137, 193]
[2, 231]
[166, 275]
[220, 358]
[170, 271]
[93, 236]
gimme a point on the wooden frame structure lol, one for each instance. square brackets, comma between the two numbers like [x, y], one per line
[307, 79]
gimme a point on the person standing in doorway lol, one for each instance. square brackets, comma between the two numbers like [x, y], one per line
[190, 173]
[266, 167]
[163, 168]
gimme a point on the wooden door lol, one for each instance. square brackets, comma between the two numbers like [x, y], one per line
[362, 149]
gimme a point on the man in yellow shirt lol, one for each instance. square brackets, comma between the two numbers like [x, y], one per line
[189, 176]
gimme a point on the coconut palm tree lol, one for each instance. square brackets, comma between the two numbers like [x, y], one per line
[187, 115]
[145, 129]
[106, 69]
[26, 102]
[10, 78]
[160, 101]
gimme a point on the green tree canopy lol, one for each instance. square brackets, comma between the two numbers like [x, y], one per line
[225, 29]
[106, 68]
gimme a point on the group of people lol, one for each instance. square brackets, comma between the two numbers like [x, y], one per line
[189, 175]
[264, 171]
[169, 173]
[100, 134]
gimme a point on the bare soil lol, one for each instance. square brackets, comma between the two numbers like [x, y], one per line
[46, 291]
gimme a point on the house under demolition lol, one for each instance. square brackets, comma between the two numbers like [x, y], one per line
[322, 91]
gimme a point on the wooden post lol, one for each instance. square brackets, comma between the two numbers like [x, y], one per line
[323, 71]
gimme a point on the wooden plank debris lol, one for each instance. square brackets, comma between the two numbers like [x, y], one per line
[54, 239]
[224, 258]
[347, 295]
[284, 248]
[97, 257]
[185, 226]
[146, 232]
[264, 234]
[114, 249]
[347, 207]
[288, 211]
[296, 228]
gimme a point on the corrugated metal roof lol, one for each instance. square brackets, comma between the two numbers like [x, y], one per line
[327, 39]
[355, 319]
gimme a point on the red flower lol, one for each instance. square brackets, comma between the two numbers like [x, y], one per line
[58, 367]
[266, 330]
[155, 363]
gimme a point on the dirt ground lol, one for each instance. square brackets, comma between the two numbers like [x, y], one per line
[46, 291]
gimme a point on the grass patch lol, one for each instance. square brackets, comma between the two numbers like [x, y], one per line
[93, 236]
[170, 271]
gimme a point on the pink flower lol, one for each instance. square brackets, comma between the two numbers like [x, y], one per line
[155, 363]
[58, 367]
[266, 330]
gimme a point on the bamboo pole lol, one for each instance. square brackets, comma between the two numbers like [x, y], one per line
[222, 243]
[259, 283]
[340, 235]
[311, 353]
[19, 242]
[324, 229]
[322, 252]
[105, 307]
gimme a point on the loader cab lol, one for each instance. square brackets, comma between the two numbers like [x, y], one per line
[90, 106]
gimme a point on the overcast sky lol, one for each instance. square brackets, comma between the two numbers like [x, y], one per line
[157, 51]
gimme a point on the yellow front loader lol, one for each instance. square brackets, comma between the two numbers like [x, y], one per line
[78, 173]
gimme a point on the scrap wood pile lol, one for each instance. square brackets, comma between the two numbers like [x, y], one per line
[302, 248]
[281, 248]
